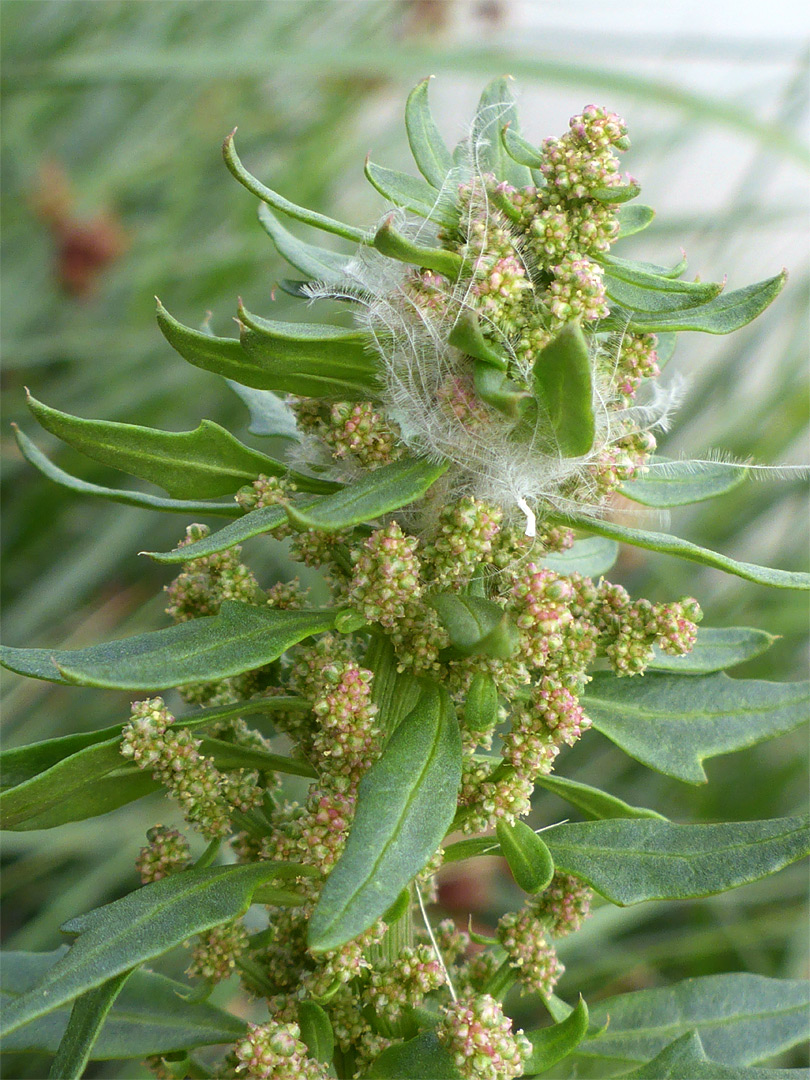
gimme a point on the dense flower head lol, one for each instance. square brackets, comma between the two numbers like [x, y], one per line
[530, 954]
[480, 1039]
[216, 952]
[564, 905]
[204, 583]
[166, 853]
[274, 1051]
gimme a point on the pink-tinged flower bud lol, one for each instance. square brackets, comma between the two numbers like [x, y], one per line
[479, 1038]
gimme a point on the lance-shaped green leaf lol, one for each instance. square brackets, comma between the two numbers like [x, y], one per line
[622, 193]
[659, 296]
[520, 149]
[741, 1019]
[378, 492]
[634, 860]
[240, 638]
[309, 359]
[627, 268]
[563, 385]
[678, 483]
[405, 804]
[316, 1031]
[152, 1014]
[494, 389]
[634, 219]
[528, 857]
[130, 498]
[197, 464]
[87, 1018]
[684, 549]
[278, 202]
[591, 557]
[686, 1057]
[145, 924]
[413, 193]
[255, 523]
[389, 241]
[591, 801]
[316, 262]
[723, 315]
[416, 1059]
[476, 625]
[552, 1044]
[716, 650]
[432, 157]
[481, 703]
[269, 415]
[466, 335]
[673, 724]
[496, 108]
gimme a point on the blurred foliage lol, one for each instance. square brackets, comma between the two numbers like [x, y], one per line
[114, 191]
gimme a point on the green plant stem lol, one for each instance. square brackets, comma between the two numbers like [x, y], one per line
[501, 981]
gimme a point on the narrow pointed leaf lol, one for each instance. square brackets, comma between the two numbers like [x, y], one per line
[378, 492]
[414, 194]
[311, 360]
[564, 388]
[240, 638]
[87, 1018]
[520, 149]
[716, 650]
[684, 549]
[673, 724]
[197, 464]
[591, 557]
[139, 927]
[34, 455]
[269, 415]
[405, 804]
[432, 157]
[634, 860]
[723, 315]
[467, 336]
[678, 483]
[316, 1031]
[659, 296]
[741, 1019]
[255, 523]
[282, 205]
[417, 1059]
[592, 802]
[528, 857]
[627, 268]
[496, 108]
[634, 219]
[389, 241]
[476, 625]
[686, 1057]
[552, 1044]
[622, 193]
[316, 262]
[152, 1014]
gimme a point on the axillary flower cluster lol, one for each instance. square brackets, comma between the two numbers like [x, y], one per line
[499, 352]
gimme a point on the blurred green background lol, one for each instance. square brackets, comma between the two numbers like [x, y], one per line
[114, 191]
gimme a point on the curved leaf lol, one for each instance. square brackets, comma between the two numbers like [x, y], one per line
[716, 650]
[632, 861]
[741, 1019]
[416, 1059]
[686, 1057]
[496, 108]
[591, 557]
[278, 202]
[152, 1014]
[673, 724]
[520, 149]
[389, 241]
[413, 194]
[552, 1044]
[316, 262]
[684, 549]
[254, 523]
[197, 464]
[405, 804]
[467, 336]
[87, 1018]
[476, 625]
[621, 193]
[563, 385]
[145, 924]
[528, 857]
[130, 498]
[678, 483]
[432, 157]
[634, 219]
[241, 638]
[629, 267]
[376, 493]
[269, 415]
[592, 802]
[316, 1031]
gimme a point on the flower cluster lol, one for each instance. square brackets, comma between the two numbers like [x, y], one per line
[480, 1040]
[274, 1051]
[533, 958]
[166, 853]
[216, 952]
[204, 583]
